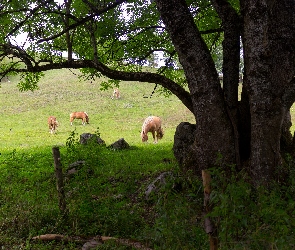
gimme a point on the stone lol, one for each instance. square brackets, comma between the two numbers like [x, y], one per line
[156, 185]
[120, 144]
[183, 141]
[84, 138]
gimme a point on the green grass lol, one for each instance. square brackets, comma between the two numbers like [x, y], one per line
[24, 114]
[107, 196]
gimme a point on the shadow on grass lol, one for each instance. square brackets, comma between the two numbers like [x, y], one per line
[105, 197]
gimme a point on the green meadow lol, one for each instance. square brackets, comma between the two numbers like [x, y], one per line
[24, 114]
[107, 195]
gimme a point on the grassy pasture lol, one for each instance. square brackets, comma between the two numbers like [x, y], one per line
[107, 196]
[109, 201]
[24, 114]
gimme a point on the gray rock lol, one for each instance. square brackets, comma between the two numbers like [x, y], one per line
[156, 185]
[120, 144]
[86, 137]
[183, 140]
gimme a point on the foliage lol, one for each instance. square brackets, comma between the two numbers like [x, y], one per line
[29, 81]
[252, 218]
[127, 35]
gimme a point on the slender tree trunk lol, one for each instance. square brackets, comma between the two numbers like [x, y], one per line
[231, 60]
[244, 124]
[68, 35]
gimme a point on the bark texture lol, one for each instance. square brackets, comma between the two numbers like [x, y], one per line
[214, 133]
[252, 127]
[269, 64]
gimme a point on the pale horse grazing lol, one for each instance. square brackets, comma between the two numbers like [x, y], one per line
[152, 124]
[116, 93]
[79, 115]
[52, 124]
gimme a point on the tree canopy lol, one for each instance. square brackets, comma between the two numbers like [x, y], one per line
[111, 38]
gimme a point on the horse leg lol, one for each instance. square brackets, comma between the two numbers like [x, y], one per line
[153, 132]
[157, 135]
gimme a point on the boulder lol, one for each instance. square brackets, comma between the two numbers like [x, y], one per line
[183, 141]
[157, 184]
[74, 167]
[120, 144]
[86, 137]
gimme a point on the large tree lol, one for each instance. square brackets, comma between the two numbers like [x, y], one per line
[115, 38]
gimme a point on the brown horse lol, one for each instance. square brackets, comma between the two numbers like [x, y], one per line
[152, 124]
[52, 124]
[79, 115]
[116, 93]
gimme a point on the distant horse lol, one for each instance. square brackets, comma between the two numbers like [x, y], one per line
[52, 124]
[152, 124]
[116, 93]
[79, 115]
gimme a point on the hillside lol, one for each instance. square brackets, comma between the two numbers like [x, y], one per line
[107, 195]
[24, 114]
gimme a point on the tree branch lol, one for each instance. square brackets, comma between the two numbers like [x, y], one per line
[84, 20]
[32, 12]
[167, 83]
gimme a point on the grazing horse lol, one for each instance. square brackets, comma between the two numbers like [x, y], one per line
[79, 115]
[116, 93]
[52, 124]
[152, 124]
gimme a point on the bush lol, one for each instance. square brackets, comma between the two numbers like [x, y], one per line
[251, 218]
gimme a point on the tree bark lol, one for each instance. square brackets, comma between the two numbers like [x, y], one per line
[206, 93]
[269, 64]
[231, 59]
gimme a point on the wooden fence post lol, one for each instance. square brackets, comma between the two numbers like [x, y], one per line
[59, 180]
[209, 227]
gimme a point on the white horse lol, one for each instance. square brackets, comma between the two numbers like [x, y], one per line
[116, 93]
[152, 124]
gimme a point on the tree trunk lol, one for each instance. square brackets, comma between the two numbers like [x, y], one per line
[244, 124]
[230, 68]
[206, 93]
[269, 66]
